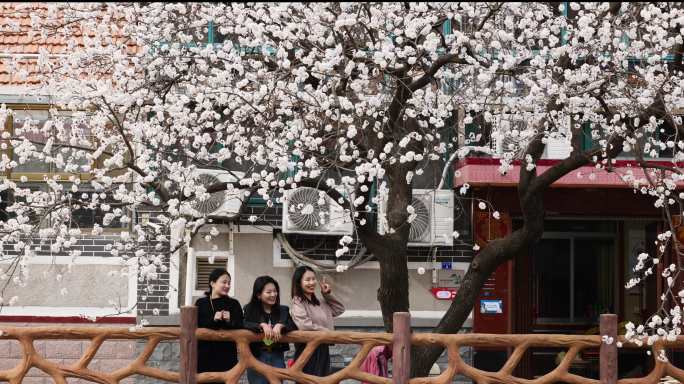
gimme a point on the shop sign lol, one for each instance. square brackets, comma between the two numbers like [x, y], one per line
[444, 293]
[448, 282]
[491, 307]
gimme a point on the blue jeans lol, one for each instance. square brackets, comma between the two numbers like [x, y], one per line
[274, 359]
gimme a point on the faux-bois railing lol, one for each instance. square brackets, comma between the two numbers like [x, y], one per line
[401, 339]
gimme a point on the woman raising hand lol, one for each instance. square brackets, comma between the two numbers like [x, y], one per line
[312, 314]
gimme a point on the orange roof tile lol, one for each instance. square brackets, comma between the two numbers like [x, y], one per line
[18, 37]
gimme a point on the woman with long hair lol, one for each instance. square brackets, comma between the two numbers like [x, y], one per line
[312, 314]
[264, 314]
[218, 311]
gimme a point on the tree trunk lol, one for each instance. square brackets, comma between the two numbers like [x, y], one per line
[390, 249]
[393, 294]
[495, 253]
[482, 266]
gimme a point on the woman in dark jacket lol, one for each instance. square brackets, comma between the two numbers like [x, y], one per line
[312, 314]
[218, 311]
[264, 314]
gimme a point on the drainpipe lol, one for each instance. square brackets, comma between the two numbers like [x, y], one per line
[189, 268]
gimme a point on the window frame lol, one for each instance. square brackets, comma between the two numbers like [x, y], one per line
[539, 321]
[40, 178]
[35, 176]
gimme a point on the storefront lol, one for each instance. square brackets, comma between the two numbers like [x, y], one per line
[575, 272]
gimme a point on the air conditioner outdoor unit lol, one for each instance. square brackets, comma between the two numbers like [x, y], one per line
[311, 211]
[224, 203]
[557, 148]
[434, 223]
[507, 143]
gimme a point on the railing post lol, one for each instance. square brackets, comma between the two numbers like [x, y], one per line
[188, 345]
[401, 348]
[608, 351]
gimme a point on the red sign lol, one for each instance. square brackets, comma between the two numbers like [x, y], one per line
[444, 293]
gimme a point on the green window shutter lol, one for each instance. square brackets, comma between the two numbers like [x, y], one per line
[470, 132]
[256, 200]
[449, 179]
[210, 33]
[294, 159]
[213, 34]
[564, 32]
[215, 148]
[587, 141]
[446, 27]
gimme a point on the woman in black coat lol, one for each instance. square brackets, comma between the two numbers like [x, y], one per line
[264, 314]
[218, 311]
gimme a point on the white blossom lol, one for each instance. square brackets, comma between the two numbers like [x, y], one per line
[293, 101]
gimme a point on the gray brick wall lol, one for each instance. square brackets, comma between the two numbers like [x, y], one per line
[89, 246]
[324, 247]
[151, 293]
[154, 293]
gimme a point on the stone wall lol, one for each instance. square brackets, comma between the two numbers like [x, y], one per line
[166, 356]
[111, 355]
[342, 354]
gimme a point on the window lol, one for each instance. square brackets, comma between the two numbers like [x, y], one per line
[573, 277]
[207, 34]
[213, 34]
[71, 141]
[204, 262]
[82, 218]
[26, 125]
[203, 267]
[13, 196]
[465, 24]
[86, 218]
[655, 145]
[478, 131]
[513, 86]
[507, 142]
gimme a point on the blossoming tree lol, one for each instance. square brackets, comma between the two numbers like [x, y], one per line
[358, 97]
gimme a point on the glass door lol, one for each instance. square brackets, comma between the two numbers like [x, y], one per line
[552, 280]
[573, 279]
[573, 282]
[594, 279]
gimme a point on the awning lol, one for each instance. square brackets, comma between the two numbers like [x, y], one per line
[485, 172]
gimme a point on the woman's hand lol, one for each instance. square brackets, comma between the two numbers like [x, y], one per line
[218, 316]
[326, 289]
[268, 331]
[222, 316]
[277, 332]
